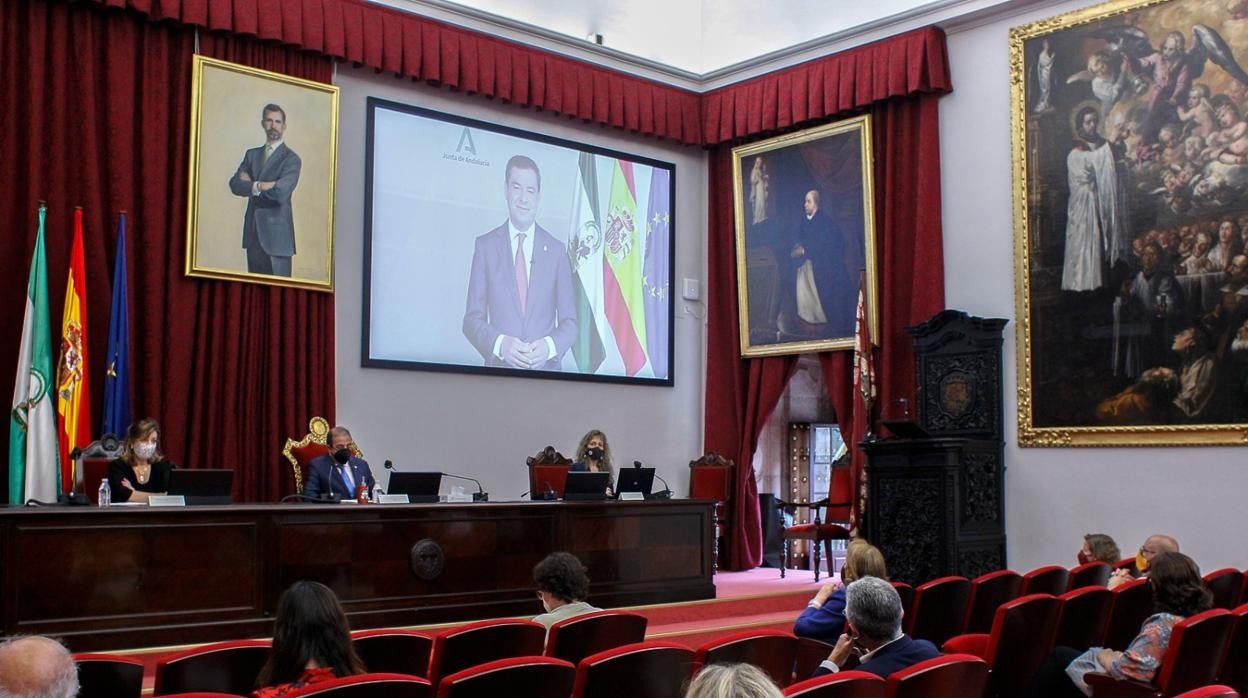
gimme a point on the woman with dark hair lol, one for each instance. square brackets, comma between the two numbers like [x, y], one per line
[311, 642]
[593, 454]
[142, 468]
[1099, 547]
[1178, 592]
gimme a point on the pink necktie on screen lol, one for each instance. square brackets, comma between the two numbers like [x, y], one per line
[522, 274]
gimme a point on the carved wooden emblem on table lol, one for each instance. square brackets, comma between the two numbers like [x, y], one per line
[428, 560]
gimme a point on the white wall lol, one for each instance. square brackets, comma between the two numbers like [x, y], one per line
[485, 426]
[1055, 495]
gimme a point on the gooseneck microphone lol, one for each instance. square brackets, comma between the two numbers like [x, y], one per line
[389, 465]
[480, 495]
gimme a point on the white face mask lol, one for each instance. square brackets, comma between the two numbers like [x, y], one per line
[145, 451]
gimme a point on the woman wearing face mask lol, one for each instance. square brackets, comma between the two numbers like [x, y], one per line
[1098, 547]
[142, 469]
[594, 455]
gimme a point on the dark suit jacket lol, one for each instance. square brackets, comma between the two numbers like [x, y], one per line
[902, 654]
[324, 476]
[268, 222]
[493, 306]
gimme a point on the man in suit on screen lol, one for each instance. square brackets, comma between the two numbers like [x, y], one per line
[521, 311]
[267, 176]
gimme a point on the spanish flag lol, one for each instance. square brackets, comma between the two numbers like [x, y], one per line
[73, 403]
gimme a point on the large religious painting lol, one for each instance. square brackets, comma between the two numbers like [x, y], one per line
[261, 200]
[805, 238]
[1131, 222]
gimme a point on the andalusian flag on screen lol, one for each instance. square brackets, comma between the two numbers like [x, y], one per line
[73, 401]
[32, 423]
[585, 258]
[621, 270]
[654, 271]
[117, 363]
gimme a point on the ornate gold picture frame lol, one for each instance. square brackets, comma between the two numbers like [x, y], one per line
[263, 161]
[1130, 164]
[805, 228]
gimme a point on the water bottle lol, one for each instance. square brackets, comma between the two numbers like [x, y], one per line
[105, 496]
[377, 492]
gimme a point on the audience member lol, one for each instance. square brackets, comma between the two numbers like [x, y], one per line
[142, 468]
[1099, 547]
[873, 632]
[824, 617]
[1178, 592]
[562, 585]
[340, 472]
[732, 681]
[1153, 545]
[36, 667]
[311, 642]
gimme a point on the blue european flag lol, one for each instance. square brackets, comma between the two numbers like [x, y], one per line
[117, 371]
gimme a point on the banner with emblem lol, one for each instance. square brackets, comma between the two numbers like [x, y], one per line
[625, 298]
[73, 401]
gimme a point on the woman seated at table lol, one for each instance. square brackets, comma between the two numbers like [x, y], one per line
[311, 642]
[824, 617]
[594, 455]
[142, 469]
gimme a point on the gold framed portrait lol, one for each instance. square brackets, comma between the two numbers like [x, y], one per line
[263, 161]
[1130, 172]
[805, 236]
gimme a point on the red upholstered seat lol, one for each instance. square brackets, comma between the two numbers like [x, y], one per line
[1050, 579]
[650, 669]
[810, 653]
[835, 508]
[94, 470]
[773, 651]
[224, 667]
[950, 676]
[1215, 691]
[1021, 632]
[1191, 660]
[108, 675]
[713, 477]
[200, 694]
[1089, 574]
[516, 677]
[906, 592]
[1226, 585]
[1125, 563]
[1083, 617]
[390, 650]
[573, 639]
[843, 684]
[987, 593]
[1133, 604]
[939, 609]
[469, 645]
[313, 444]
[1234, 671]
[372, 685]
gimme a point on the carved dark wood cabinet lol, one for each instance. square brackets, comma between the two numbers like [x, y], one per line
[935, 504]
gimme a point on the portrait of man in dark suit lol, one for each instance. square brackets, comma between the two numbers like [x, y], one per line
[267, 177]
[521, 308]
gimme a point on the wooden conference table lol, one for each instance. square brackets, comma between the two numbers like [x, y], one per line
[129, 577]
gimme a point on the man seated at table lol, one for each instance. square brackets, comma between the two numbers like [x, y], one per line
[339, 472]
[37, 666]
[873, 632]
[562, 585]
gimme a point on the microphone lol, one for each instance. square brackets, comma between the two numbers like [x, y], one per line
[389, 465]
[636, 464]
[664, 494]
[480, 495]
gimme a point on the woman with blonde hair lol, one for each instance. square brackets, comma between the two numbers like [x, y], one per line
[824, 617]
[732, 681]
[142, 468]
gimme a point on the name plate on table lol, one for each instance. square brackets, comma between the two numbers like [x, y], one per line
[632, 497]
[166, 500]
[459, 497]
[393, 499]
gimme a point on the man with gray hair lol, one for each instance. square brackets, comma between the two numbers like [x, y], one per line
[873, 632]
[36, 667]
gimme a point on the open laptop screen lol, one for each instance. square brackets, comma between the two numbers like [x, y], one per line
[420, 487]
[635, 480]
[202, 485]
[586, 486]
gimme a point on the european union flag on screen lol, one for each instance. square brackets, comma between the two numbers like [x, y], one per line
[655, 270]
[117, 368]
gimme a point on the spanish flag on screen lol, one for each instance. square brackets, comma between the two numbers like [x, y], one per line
[73, 403]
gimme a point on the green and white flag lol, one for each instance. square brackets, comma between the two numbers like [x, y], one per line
[33, 457]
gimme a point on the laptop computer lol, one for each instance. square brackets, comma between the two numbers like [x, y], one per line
[586, 486]
[420, 487]
[635, 480]
[202, 485]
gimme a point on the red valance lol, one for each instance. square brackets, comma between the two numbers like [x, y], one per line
[906, 64]
[438, 53]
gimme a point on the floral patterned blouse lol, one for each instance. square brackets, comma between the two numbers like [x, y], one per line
[309, 676]
[1143, 656]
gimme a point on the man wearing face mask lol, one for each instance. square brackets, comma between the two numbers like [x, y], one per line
[1153, 546]
[339, 473]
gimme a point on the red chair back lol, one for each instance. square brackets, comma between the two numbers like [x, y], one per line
[810, 653]
[1133, 604]
[372, 685]
[1194, 655]
[517, 677]
[1050, 579]
[1216, 691]
[485, 641]
[573, 639]
[108, 675]
[939, 609]
[1235, 664]
[1083, 617]
[390, 650]
[844, 684]
[840, 496]
[547, 479]
[773, 651]
[1126, 563]
[1226, 585]
[1019, 641]
[987, 593]
[949, 676]
[94, 470]
[1089, 574]
[224, 667]
[906, 592]
[650, 669]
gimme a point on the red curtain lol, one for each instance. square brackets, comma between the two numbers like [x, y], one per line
[95, 103]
